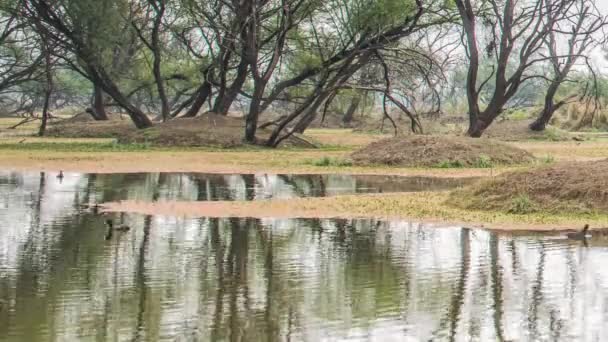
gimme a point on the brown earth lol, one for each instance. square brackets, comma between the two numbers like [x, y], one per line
[84, 128]
[207, 130]
[570, 187]
[434, 151]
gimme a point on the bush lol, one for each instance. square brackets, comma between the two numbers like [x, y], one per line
[483, 162]
[326, 162]
[450, 164]
[522, 204]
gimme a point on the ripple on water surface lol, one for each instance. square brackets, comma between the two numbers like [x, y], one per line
[209, 279]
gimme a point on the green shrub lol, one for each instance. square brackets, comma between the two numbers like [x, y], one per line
[483, 162]
[450, 164]
[522, 204]
[548, 159]
[327, 162]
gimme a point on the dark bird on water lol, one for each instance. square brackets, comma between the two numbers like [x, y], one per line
[120, 228]
[60, 175]
[112, 228]
[582, 235]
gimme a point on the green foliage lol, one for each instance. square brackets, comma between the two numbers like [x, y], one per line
[327, 162]
[548, 159]
[483, 162]
[450, 164]
[375, 15]
[522, 204]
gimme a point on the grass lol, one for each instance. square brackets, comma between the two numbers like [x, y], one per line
[483, 162]
[327, 161]
[450, 164]
[76, 154]
[425, 207]
[522, 204]
[548, 159]
[75, 147]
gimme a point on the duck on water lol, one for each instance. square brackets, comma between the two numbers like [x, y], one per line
[112, 228]
[581, 235]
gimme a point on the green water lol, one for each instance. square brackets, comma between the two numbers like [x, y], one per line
[206, 279]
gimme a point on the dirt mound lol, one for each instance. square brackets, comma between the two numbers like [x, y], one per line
[83, 128]
[207, 130]
[440, 151]
[86, 117]
[567, 187]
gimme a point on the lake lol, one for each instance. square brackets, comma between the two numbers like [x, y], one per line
[209, 279]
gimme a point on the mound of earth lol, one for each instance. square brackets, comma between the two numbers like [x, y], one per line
[84, 128]
[440, 151]
[578, 187]
[207, 130]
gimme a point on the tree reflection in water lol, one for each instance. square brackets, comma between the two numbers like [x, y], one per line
[249, 279]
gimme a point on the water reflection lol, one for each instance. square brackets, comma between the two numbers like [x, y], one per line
[282, 280]
[214, 187]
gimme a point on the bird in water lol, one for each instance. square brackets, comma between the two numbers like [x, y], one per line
[582, 235]
[120, 228]
[60, 175]
[112, 228]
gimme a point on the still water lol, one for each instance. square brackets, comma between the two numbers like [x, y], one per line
[207, 279]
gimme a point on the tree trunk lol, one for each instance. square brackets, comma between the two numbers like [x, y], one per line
[251, 122]
[202, 93]
[98, 111]
[350, 112]
[47, 100]
[99, 77]
[549, 109]
[223, 103]
[48, 89]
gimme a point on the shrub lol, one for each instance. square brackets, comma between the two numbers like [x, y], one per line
[483, 162]
[326, 162]
[522, 204]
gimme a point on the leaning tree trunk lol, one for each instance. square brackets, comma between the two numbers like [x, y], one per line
[224, 102]
[202, 94]
[548, 109]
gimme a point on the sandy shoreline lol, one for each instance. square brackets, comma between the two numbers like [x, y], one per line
[425, 207]
[210, 162]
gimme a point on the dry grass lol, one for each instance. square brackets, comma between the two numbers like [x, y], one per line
[426, 207]
[344, 138]
[440, 151]
[575, 187]
[209, 130]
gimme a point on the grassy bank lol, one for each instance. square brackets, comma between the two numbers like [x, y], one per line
[332, 157]
[424, 207]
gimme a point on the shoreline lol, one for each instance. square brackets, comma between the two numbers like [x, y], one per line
[421, 207]
[228, 162]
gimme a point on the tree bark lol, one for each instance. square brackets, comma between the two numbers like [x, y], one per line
[548, 109]
[350, 112]
[98, 110]
[48, 91]
[202, 94]
[224, 101]
[251, 122]
[48, 88]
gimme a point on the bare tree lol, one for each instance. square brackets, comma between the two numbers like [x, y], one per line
[581, 30]
[519, 30]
